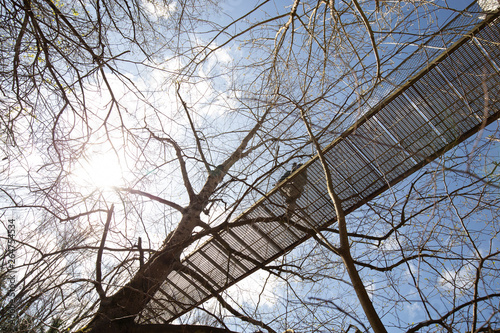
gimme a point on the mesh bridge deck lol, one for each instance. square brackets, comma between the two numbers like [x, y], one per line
[419, 119]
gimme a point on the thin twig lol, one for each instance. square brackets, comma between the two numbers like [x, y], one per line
[372, 35]
[197, 139]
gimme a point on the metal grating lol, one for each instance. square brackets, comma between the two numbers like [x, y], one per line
[437, 108]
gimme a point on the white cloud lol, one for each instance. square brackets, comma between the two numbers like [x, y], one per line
[209, 92]
[489, 5]
[462, 278]
[257, 289]
[414, 310]
[390, 244]
[159, 9]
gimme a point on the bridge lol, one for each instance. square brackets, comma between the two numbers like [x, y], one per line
[419, 111]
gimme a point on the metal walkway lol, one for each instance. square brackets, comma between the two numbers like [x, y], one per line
[440, 106]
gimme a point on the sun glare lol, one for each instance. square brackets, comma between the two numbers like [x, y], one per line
[102, 170]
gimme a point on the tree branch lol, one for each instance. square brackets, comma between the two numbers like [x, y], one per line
[344, 250]
[372, 35]
[197, 139]
[152, 197]
[182, 163]
[221, 300]
[169, 328]
[450, 313]
[98, 271]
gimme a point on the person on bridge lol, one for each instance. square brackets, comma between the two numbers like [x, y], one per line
[293, 189]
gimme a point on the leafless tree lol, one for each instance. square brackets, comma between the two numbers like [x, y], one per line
[132, 131]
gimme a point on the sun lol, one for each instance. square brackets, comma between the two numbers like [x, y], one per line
[101, 170]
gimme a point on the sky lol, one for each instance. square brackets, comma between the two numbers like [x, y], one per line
[92, 175]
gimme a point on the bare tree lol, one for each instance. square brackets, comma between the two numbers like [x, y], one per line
[132, 131]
